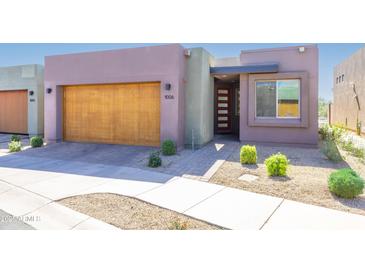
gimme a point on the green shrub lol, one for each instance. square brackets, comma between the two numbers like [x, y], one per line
[248, 155]
[168, 147]
[345, 183]
[277, 164]
[334, 133]
[329, 148]
[15, 138]
[15, 146]
[324, 132]
[36, 141]
[154, 159]
[337, 132]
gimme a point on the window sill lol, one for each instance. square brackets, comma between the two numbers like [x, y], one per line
[277, 122]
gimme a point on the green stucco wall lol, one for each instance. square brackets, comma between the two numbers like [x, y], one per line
[29, 77]
[199, 99]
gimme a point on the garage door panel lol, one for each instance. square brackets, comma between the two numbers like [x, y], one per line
[120, 113]
[14, 111]
[126, 121]
[149, 126]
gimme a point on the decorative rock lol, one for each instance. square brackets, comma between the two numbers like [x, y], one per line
[248, 178]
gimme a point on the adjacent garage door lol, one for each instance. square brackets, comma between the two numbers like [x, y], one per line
[14, 111]
[115, 114]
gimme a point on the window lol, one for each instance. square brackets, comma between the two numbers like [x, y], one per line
[288, 98]
[342, 77]
[278, 99]
[336, 80]
[266, 99]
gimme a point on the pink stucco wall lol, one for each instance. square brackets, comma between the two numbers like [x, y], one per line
[165, 64]
[293, 62]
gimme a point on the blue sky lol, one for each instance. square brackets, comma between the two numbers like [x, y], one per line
[330, 54]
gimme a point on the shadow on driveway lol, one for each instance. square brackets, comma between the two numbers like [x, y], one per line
[119, 161]
[106, 161]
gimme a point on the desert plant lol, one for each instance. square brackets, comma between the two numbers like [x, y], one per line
[329, 148]
[337, 132]
[358, 127]
[345, 183]
[349, 146]
[248, 155]
[178, 225]
[154, 159]
[168, 147]
[15, 138]
[324, 131]
[277, 164]
[15, 146]
[36, 141]
[334, 133]
[358, 152]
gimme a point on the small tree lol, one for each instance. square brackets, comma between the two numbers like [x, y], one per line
[322, 107]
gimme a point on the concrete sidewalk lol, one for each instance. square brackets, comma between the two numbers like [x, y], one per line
[30, 187]
[10, 222]
[21, 209]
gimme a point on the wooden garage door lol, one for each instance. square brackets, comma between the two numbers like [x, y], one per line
[115, 114]
[14, 111]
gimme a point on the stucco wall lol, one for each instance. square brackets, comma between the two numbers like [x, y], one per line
[27, 77]
[344, 107]
[165, 64]
[199, 99]
[286, 131]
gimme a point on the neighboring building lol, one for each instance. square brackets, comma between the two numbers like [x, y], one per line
[348, 105]
[142, 96]
[21, 99]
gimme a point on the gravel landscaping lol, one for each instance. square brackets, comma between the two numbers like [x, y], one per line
[306, 180]
[129, 213]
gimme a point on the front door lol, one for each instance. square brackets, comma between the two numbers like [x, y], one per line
[223, 111]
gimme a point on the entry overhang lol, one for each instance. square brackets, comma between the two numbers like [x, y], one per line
[264, 68]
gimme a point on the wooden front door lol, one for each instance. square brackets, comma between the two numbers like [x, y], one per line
[14, 111]
[115, 114]
[223, 110]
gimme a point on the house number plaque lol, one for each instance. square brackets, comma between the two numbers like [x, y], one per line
[169, 97]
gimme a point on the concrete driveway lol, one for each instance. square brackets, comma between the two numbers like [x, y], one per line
[117, 155]
[197, 164]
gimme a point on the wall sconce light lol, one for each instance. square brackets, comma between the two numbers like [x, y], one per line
[168, 86]
[301, 49]
[49, 90]
[31, 93]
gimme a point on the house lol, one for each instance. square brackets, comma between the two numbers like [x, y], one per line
[142, 96]
[348, 104]
[21, 99]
